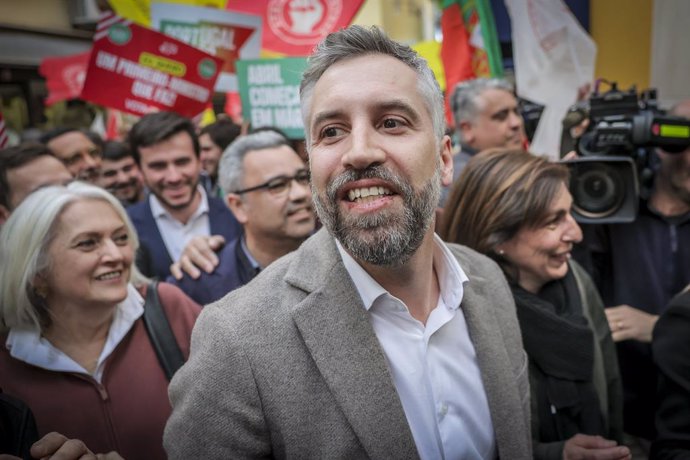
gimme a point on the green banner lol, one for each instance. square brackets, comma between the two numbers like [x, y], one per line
[269, 89]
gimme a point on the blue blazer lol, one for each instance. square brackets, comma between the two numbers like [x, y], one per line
[152, 258]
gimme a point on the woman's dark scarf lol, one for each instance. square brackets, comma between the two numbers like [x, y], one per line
[560, 344]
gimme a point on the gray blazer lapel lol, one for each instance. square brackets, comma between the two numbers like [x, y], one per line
[336, 330]
[495, 364]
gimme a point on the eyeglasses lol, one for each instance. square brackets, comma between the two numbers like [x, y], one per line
[280, 184]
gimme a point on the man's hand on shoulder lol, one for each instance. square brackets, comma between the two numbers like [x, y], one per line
[199, 254]
[628, 323]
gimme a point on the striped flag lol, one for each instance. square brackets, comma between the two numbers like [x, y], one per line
[4, 137]
[470, 46]
[105, 20]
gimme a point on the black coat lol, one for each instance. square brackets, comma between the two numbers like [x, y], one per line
[671, 351]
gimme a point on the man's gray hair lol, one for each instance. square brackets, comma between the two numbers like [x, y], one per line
[356, 41]
[463, 102]
[231, 166]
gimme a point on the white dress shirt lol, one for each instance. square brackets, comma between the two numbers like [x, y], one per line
[175, 234]
[434, 367]
[29, 346]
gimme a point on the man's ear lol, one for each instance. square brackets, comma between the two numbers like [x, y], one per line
[4, 214]
[237, 206]
[446, 161]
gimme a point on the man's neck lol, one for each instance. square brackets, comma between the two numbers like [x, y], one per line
[267, 250]
[415, 282]
[665, 201]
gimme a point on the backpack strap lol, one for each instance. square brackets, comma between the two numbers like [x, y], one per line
[161, 335]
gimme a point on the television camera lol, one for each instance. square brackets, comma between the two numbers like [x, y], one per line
[616, 152]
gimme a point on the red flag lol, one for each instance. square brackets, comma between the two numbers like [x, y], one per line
[64, 76]
[295, 27]
[4, 138]
[456, 52]
[470, 45]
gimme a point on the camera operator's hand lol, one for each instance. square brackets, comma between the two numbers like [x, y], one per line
[628, 323]
[583, 447]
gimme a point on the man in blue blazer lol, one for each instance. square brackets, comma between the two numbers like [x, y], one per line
[166, 148]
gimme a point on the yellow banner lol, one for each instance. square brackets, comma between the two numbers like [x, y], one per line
[431, 51]
[139, 11]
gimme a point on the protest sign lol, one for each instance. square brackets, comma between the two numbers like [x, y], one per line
[64, 76]
[138, 70]
[294, 27]
[269, 89]
[228, 36]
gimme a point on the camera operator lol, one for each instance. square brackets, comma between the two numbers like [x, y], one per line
[639, 267]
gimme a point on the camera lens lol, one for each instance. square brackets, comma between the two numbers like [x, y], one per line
[598, 190]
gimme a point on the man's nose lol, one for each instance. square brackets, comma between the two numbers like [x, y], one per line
[298, 192]
[363, 150]
[515, 120]
[173, 174]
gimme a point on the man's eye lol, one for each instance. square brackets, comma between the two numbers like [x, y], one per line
[330, 132]
[73, 160]
[391, 123]
[502, 115]
[277, 184]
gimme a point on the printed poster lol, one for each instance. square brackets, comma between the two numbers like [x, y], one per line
[269, 90]
[138, 70]
[227, 35]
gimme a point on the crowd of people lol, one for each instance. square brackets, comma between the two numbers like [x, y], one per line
[210, 293]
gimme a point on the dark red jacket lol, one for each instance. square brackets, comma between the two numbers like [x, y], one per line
[127, 412]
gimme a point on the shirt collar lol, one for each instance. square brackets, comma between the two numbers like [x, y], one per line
[451, 276]
[252, 261]
[29, 346]
[159, 211]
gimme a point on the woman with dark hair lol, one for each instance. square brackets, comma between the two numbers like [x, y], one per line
[515, 208]
[73, 342]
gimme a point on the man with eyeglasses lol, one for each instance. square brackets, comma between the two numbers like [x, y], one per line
[268, 192]
[76, 151]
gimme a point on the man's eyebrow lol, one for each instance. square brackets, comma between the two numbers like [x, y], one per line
[394, 105]
[326, 115]
[401, 106]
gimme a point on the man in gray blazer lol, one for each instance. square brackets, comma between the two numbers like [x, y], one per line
[374, 339]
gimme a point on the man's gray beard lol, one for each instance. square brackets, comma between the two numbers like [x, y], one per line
[386, 238]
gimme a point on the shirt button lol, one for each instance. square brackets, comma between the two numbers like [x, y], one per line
[444, 410]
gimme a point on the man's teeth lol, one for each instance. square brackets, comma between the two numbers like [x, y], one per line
[367, 191]
[109, 276]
